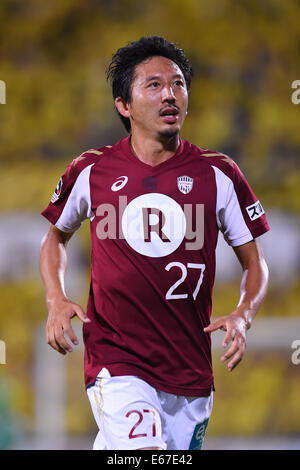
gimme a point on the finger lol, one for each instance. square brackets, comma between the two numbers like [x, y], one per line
[61, 340]
[237, 350]
[228, 337]
[235, 362]
[80, 313]
[236, 359]
[67, 328]
[216, 325]
[232, 350]
[237, 341]
[52, 342]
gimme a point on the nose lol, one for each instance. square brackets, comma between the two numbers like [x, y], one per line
[167, 93]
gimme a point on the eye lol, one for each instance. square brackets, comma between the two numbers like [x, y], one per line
[179, 83]
[153, 85]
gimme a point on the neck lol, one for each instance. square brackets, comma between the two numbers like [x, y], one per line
[154, 151]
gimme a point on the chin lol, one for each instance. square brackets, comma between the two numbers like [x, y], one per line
[169, 133]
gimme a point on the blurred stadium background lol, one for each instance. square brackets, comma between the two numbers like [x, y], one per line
[53, 57]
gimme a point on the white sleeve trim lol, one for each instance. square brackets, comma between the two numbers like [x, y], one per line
[242, 240]
[230, 219]
[78, 205]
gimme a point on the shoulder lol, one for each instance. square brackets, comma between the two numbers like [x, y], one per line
[216, 160]
[88, 158]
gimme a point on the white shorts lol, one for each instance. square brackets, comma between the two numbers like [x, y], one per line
[131, 414]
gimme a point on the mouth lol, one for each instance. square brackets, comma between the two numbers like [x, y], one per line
[170, 114]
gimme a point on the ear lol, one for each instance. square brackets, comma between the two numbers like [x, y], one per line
[122, 107]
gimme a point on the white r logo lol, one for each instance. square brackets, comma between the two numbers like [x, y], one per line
[154, 225]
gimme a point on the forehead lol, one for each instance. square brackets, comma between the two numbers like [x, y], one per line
[156, 66]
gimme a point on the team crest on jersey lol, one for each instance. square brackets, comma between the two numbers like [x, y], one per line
[57, 191]
[185, 184]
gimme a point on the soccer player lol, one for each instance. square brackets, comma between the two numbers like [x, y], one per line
[156, 204]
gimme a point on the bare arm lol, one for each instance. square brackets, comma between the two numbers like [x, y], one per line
[53, 262]
[252, 293]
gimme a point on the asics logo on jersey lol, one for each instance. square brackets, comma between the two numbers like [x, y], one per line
[120, 183]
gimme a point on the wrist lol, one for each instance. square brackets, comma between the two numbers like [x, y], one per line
[244, 310]
[51, 299]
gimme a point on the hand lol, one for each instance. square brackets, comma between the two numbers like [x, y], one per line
[59, 322]
[235, 326]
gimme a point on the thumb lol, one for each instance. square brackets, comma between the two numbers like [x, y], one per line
[81, 314]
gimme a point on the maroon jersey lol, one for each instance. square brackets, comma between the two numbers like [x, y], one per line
[154, 232]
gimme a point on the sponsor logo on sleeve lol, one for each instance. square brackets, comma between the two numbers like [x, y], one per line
[255, 210]
[57, 191]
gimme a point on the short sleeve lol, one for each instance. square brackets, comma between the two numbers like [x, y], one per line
[70, 204]
[240, 215]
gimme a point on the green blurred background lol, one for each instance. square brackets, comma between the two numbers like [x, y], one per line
[53, 57]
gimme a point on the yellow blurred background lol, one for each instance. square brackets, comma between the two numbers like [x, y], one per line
[53, 57]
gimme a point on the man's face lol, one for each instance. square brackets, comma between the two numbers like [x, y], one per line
[159, 98]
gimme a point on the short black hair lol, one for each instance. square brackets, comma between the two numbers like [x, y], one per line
[121, 70]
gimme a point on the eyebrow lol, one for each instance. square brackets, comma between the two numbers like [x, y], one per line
[156, 77]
